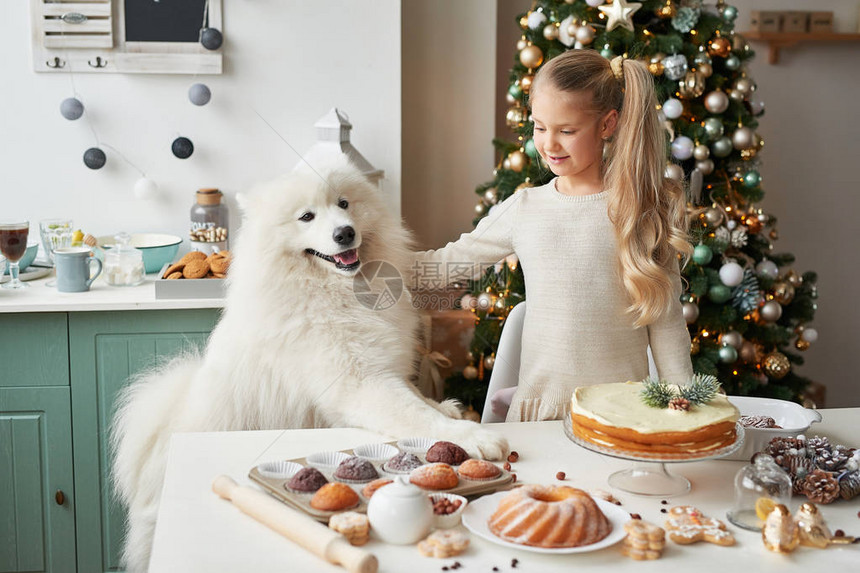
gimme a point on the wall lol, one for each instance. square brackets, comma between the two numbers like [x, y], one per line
[289, 60]
[808, 162]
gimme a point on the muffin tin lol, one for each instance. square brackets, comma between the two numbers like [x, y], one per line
[273, 476]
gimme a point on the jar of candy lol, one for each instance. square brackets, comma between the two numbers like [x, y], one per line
[123, 265]
[210, 221]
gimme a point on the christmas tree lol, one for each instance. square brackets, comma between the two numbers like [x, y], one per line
[747, 310]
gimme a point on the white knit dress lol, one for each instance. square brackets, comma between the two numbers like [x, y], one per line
[576, 331]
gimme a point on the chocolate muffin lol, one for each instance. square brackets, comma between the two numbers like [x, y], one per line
[447, 453]
[355, 469]
[404, 462]
[307, 479]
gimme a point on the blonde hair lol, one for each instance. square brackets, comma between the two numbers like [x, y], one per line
[647, 210]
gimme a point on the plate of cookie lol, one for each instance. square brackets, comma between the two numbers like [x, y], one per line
[477, 514]
[195, 275]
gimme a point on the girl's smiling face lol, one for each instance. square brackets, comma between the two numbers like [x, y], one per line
[567, 135]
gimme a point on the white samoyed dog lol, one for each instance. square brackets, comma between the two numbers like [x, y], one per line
[296, 347]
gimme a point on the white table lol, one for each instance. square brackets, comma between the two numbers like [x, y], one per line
[197, 531]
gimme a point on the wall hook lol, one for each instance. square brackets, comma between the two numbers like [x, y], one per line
[58, 63]
[100, 63]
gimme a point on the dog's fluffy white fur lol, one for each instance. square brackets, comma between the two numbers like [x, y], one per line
[294, 347]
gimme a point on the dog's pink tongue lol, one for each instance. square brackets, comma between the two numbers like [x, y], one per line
[346, 257]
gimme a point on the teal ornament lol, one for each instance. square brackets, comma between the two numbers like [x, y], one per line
[607, 53]
[686, 19]
[714, 127]
[702, 255]
[719, 293]
[730, 13]
[530, 148]
[515, 91]
[722, 147]
[752, 179]
[728, 354]
[733, 62]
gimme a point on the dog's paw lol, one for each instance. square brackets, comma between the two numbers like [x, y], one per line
[451, 408]
[476, 440]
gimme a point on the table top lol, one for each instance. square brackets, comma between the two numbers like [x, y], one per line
[101, 297]
[198, 531]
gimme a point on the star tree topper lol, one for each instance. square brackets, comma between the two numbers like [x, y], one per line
[620, 13]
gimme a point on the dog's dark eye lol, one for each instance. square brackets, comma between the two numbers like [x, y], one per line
[307, 217]
[343, 203]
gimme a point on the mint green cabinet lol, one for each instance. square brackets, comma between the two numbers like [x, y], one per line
[37, 502]
[59, 376]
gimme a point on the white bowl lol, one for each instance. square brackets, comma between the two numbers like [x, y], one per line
[793, 418]
[448, 520]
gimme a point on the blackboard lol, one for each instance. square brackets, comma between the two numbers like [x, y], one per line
[164, 20]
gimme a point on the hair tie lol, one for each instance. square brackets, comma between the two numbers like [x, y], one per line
[617, 65]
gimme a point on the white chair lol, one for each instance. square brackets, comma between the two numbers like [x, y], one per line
[506, 370]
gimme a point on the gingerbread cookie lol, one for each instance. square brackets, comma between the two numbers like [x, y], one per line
[174, 275]
[196, 269]
[174, 268]
[444, 543]
[644, 540]
[219, 262]
[352, 525]
[192, 256]
[686, 524]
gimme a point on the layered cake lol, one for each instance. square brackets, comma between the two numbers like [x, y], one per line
[618, 416]
[549, 517]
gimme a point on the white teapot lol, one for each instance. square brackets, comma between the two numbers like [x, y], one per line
[400, 513]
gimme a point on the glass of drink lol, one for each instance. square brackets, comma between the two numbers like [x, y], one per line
[13, 245]
[56, 234]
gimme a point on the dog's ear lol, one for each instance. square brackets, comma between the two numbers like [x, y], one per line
[242, 202]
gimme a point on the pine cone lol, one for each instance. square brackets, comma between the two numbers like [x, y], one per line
[818, 444]
[831, 460]
[679, 404]
[849, 485]
[821, 487]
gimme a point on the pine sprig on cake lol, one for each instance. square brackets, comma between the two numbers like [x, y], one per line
[656, 393]
[701, 389]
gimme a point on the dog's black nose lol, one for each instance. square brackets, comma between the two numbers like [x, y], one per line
[344, 235]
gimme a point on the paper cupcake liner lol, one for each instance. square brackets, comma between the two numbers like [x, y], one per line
[280, 469]
[388, 470]
[326, 460]
[417, 446]
[375, 452]
[448, 520]
[463, 476]
[354, 481]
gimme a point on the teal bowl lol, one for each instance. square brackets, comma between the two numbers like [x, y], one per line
[157, 249]
[25, 261]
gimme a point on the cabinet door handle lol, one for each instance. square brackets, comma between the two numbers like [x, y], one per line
[60, 497]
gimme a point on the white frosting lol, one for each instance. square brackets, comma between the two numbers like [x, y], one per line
[620, 405]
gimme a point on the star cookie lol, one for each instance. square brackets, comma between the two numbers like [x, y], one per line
[686, 525]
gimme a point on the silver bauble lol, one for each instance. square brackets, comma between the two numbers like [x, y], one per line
[701, 152]
[490, 196]
[743, 138]
[737, 96]
[489, 362]
[713, 127]
[485, 301]
[713, 216]
[682, 147]
[728, 354]
[706, 166]
[733, 339]
[745, 86]
[691, 312]
[674, 171]
[722, 147]
[733, 62]
[767, 268]
[716, 102]
[675, 66]
[673, 108]
[706, 69]
[809, 335]
[771, 311]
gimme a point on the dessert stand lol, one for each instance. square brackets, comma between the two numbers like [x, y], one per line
[649, 476]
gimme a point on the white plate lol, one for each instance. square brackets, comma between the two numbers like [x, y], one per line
[794, 419]
[479, 511]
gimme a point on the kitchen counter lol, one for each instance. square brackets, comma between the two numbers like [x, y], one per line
[101, 297]
[198, 531]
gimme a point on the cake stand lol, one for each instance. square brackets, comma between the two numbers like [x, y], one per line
[649, 476]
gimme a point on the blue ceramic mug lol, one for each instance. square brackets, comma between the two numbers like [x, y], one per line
[74, 269]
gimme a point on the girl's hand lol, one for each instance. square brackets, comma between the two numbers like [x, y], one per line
[500, 401]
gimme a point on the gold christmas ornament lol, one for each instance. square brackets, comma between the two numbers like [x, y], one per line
[531, 56]
[695, 346]
[776, 365]
[657, 57]
[748, 352]
[515, 116]
[470, 372]
[773, 234]
[526, 82]
[522, 43]
[779, 533]
[706, 69]
[719, 46]
[693, 85]
[524, 22]
[550, 32]
[793, 278]
[812, 529]
[783, 292]
[517, 160]
[489, 361]
[801, 344]
[506, 164]
[656, 68]
[667, 10]
[752, 223]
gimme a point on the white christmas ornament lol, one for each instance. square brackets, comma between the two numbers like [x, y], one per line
[145, 188]
[731, 274]
[809, 335]
[585, 34]
[682, 147]
[620, 13]
[536, 20]
[594, 3]
[564, 35]
[673, 108]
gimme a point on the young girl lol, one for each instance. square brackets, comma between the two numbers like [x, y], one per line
[599, 244]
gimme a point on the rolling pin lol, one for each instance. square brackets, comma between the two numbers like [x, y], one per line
[301, 529]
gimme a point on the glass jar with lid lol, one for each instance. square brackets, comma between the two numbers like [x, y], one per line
[123, 265]
[210, 222]
[759, 487]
